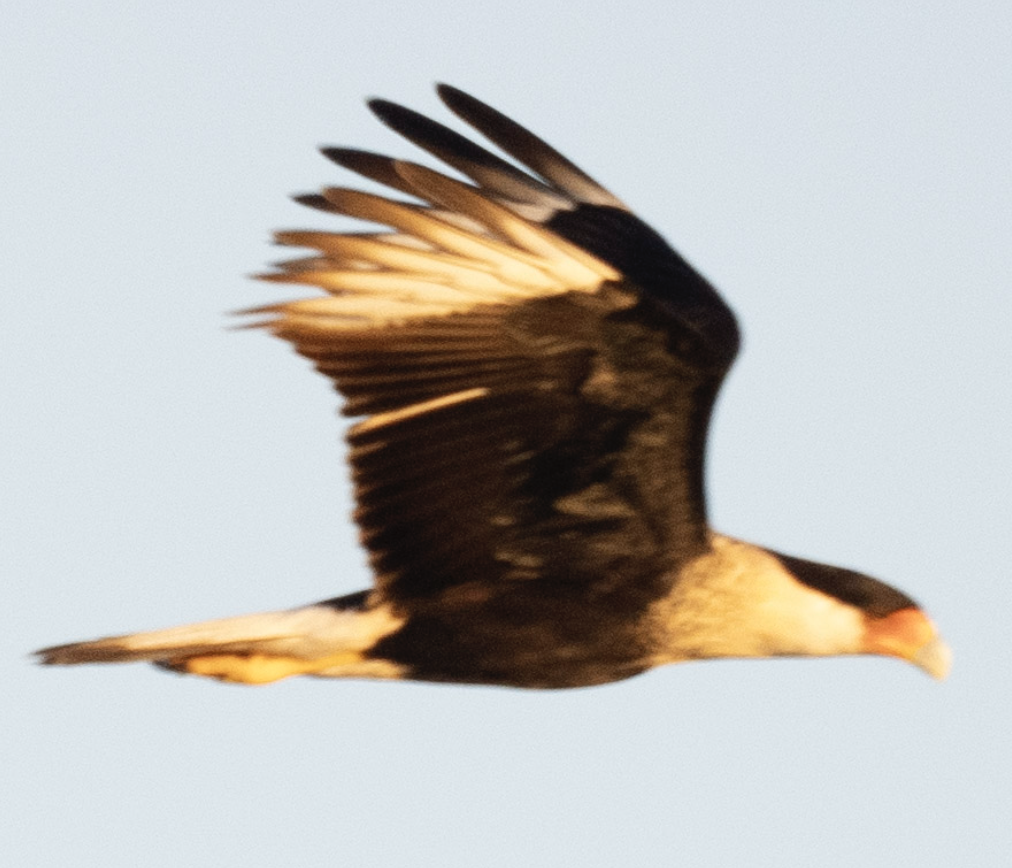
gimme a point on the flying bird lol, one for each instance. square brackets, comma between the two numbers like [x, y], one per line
[533, 370]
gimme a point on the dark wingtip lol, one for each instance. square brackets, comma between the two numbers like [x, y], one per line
[448, 93]
[364, 162]
[471, 109]
[405, 121]
[385, 110]
[338, 155]
[313, 200]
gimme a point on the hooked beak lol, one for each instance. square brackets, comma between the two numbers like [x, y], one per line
[909, 635]
[935, 658]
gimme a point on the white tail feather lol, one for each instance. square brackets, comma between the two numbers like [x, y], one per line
[309, 633]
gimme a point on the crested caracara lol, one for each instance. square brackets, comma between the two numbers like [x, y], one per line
[533, 370]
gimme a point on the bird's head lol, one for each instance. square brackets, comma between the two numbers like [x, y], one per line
[740, 600]
[893, 624]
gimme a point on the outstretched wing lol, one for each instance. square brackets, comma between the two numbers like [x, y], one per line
[535, 366]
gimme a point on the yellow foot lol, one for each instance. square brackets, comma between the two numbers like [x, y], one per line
[259, 668]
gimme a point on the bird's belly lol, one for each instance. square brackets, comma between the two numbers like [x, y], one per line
[549, 650]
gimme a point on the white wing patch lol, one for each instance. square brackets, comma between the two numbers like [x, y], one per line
[413, 321]
[458, 250]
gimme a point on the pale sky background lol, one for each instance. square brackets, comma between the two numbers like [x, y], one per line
[840, 170]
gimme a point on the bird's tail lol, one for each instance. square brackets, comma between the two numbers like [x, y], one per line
[332, 638]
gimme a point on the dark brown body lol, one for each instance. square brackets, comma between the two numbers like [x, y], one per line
[507, 636]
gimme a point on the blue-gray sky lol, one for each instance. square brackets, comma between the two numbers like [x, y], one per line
[839, 170]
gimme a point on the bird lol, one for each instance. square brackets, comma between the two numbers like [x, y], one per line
[532, 370]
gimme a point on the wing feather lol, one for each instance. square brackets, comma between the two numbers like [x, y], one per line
[528, 148]
[531, 410]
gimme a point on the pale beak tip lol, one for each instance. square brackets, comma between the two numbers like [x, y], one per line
[935, 658]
